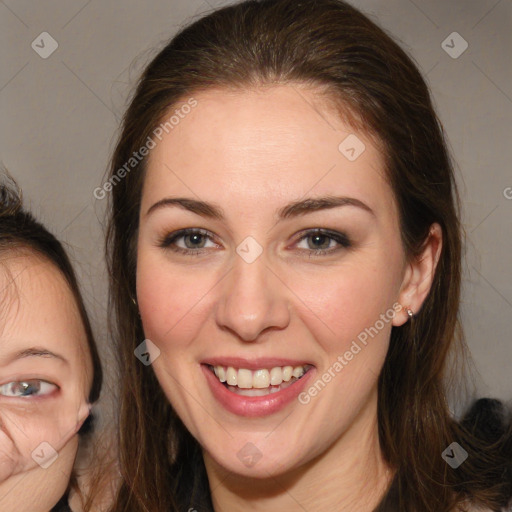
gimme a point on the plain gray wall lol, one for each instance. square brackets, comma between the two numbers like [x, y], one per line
[60, 115]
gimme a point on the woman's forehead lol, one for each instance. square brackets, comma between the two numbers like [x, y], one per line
[256, 144]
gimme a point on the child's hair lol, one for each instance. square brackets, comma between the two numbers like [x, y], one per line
[21, 232]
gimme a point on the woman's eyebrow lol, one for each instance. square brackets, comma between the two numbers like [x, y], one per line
[313, 204]
[294, 209]
[35, 352]
[192, 205]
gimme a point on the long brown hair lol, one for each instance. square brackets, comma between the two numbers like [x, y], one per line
[372, 82]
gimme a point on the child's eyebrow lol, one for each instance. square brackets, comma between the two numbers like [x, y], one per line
[36, 352]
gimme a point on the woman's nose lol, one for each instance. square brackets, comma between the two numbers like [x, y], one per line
[253, 299]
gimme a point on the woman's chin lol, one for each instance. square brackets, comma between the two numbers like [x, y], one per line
[260, 458]
[249, 463]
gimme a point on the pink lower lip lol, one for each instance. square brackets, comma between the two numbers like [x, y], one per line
[254, 406]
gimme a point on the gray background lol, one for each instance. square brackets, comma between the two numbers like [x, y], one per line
[60, 116]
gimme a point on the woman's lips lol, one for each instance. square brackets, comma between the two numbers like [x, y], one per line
[261, 391]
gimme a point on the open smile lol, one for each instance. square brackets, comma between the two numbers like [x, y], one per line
[259, 391]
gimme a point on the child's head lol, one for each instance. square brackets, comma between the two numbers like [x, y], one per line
[49, 366]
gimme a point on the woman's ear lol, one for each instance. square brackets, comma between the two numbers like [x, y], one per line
[419, 275]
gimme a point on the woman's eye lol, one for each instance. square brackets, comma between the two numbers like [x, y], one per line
[317, 242]
[188, 241]
[320, 242]
[24, 388]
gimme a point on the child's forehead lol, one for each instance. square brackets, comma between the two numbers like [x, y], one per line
[41, 327]
[27, 275]
[37, 301]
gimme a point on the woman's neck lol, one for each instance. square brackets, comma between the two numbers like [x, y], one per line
[350, 476]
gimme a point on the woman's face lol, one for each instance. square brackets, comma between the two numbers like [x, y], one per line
[269, 245]
[45, 375]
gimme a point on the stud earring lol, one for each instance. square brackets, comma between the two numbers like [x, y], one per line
[409, 313]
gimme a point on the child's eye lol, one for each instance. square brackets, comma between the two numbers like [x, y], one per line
[27, 388]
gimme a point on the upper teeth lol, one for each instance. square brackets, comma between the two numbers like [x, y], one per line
[259, 379]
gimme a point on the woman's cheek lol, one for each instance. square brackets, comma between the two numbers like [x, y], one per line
[170, 301]
[342, 302]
